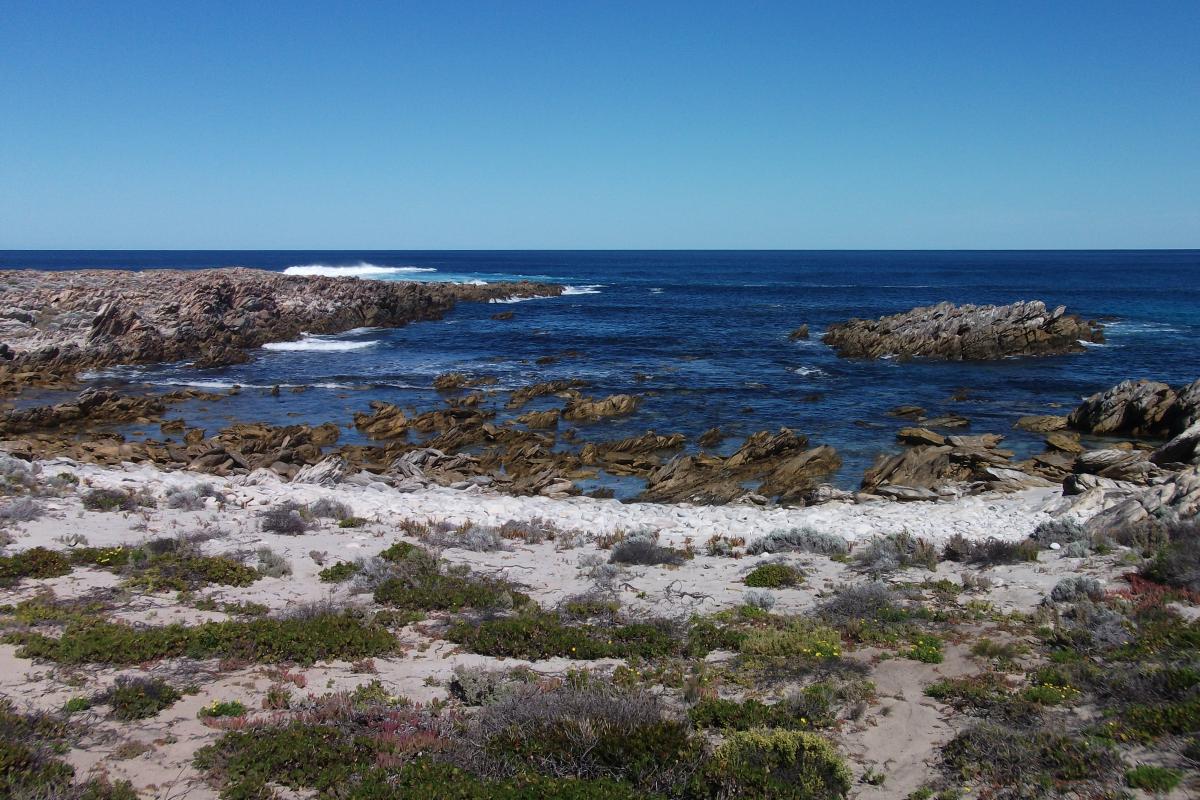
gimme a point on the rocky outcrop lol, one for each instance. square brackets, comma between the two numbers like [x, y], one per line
[965, 333]
[56, 323]
[781, 461]
[800, 334]
[91, 407]
[1139, 408]
[1181, 450]
[947, 465]
[526, 393]
[590, 409]
[1113, 504]
[1042, 423]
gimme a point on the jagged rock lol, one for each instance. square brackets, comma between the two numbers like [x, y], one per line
[449, 382]
[1079, 483]
[946, 467]
[800, 473]
[825, 493]
[1045, 423]
[965, 333]
[1139, 408]
[526, 393]
[799, 334]
[616, 405]
[913, 412]
[1064, 442]
[711, 437]
[1183, 449]
[1176, 498]
[328, 472]
[906, 494]
[91, 406]
[503, 316]
[540, 419]
[1122, 465]
[920, 436]
[947, 421]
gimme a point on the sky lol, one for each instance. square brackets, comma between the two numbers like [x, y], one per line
[599, 125]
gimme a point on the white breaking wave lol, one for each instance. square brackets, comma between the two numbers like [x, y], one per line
[360, 270]
[806, 371]
[593, 288]
[656, 290]
[319, 344]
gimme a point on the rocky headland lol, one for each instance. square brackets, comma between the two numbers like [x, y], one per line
[54, 324]
[965, 333]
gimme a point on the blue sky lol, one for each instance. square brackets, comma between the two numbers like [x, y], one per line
[599, 125]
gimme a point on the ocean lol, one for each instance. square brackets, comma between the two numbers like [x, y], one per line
[703, 336]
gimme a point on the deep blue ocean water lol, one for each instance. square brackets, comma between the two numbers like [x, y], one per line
[704, 336]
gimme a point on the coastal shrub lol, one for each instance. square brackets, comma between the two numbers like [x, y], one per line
[191, 498]
[797, 637]
[332, 761]
[926, 648]
[642, 548]
[325, 636]
[898, 551]
[724, 546]
[1020, 762]
[873, 601]
[531, 531]
[417, 581]
[23, 509]
[223, 708]
[477, 686]
[272, 564]
[339, 572]
[1059, 531]
[36, 562]
[329, 508]
[801, 540]
[990, 551]
[166, 564]
[1159, 780]
[769, 764]
[30, 768]
[585, 729]
[352, 522]
[138, 698]
[759, 599]
[286, 518]
[590, 606]
[539, 635]
[1177, 563]
[1074, 587]
[815, 706]
[773, 576]
[109, 500]
[447, 592]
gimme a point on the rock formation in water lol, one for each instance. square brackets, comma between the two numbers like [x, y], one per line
[965, 333]
[56, 323]
[1139, 408]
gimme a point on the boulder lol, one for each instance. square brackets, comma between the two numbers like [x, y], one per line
[328, 472]
[1182, 449]
[1044, 423]
[616, 405]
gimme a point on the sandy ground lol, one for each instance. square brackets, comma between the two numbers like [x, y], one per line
[900, 734]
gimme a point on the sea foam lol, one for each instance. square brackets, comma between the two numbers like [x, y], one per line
[360, 270]
[319, 344]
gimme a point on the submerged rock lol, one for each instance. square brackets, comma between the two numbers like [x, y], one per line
[965, 333]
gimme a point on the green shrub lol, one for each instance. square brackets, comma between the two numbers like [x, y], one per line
[814, 706]
[139, 698]
[223, 708]
[1027, 760]
[109, 500]
[37, 562]
[339, 572]
[433, 590]
[541, 635]
[1159, 780]
[926, 648]
[773, 576]
[795, 638]
[775, 765]
[351, 522]
[302, 639]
